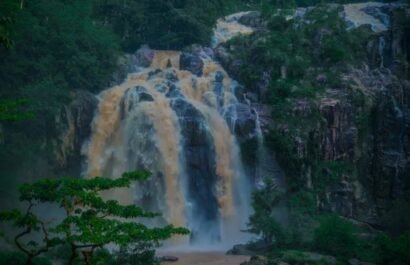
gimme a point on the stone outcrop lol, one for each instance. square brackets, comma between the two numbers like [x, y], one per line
[73, 126]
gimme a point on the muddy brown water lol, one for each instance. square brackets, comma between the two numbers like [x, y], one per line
[204, 258]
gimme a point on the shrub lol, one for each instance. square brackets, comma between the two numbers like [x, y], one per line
[394, 251]
[397, 219]
[336, 236]
[17, 258]
[262, 222]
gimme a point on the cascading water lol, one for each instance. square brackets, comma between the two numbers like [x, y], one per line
[172, 122]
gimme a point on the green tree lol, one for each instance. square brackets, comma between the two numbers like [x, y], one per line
[394, 250]
[164, 24]
[262, 222]
[89, 222]
[8, 10]
[10, 110]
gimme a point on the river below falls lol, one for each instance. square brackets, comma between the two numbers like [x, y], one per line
[203, 258]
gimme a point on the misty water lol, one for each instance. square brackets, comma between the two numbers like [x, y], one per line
[180, 126]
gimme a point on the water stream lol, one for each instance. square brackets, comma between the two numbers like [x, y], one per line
[173, 123]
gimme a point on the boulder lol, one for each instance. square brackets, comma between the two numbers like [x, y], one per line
[74, 127]
[255, 260]
[252, 19]
[191, 62]
[168, 259]
[144, 56]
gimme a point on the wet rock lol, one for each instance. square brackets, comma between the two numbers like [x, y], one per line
[379, 12]
[219, 89]
[230, 63]
[154, 74]
[241, 249]
[255, 260]
[321, 79]
[265, 116]
[338, 140]
[251, 249]
[168, 259]
[174, 91]
[353, 262]
[171, 76]
[199, 154]
[343, 198]
[162, 88]
[132, 97]
[144, 56]
[358, 262]
[242, 121]
[294, 257]
[191, 62]
[74, 125]
[252, 19]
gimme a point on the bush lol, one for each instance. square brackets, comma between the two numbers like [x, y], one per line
[397, 219]
[104, 257]
[137, 254]
[17, 258]
[336, 236]
[394, 251]
[299, 257]
[7, 258]
[262, 222]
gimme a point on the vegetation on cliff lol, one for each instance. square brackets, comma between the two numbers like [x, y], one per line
[309, 64]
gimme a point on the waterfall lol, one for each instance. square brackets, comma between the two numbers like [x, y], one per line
[174, 123]
[368, 13]
[229, 27]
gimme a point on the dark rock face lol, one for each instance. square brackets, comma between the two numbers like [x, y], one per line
[168, 259]
[255, 260]
[191, 62]
[250, 249]
[143, 57]
[199, 155]
[373, 137]
[233, 65]
[131, 63]
[74, 123]
[133, 96]
[379, 149]
[338, 137]
[243, 122]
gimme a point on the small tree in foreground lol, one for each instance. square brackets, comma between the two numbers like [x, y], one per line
[89, 223]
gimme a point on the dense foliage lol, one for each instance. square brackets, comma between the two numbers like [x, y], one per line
[304, 60]
[89, 221]
[262, 222]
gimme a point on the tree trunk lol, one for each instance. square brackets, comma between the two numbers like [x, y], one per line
[29, 260]
[87, 257]
[73, 255]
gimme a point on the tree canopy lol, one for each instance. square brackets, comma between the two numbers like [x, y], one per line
[89, 221]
